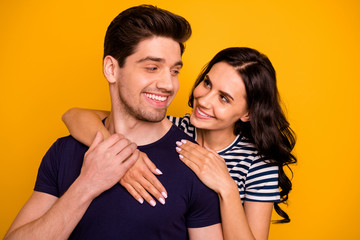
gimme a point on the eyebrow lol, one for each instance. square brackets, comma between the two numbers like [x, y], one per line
[157, 59]
[222, 92]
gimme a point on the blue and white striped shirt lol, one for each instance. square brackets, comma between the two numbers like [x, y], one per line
[257, 180]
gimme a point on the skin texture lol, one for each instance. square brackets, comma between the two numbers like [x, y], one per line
[219, 101]
[152, 70]
[47, 217]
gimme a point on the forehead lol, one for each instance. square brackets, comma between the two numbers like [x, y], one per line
[157, 47]
[226, 78]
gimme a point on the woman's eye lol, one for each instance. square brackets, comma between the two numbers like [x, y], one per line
[224, 99]
[207, 83]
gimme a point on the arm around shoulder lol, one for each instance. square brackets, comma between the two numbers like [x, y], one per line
[83, 124]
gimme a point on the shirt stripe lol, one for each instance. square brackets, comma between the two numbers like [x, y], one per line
[257, 179]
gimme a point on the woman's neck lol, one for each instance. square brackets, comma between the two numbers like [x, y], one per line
[215, 140]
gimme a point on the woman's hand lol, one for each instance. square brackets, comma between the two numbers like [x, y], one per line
[140, 181]
[207, 165]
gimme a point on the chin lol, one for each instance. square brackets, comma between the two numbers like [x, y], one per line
[151, 117]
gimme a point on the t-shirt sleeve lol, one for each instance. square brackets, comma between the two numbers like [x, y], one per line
[47, 174]
[262, 182]
[204, 207]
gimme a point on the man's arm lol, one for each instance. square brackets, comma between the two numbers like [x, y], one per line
[212, 232]
[47, 217]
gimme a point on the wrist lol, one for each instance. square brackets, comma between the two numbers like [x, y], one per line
[85, 191]
[229, 189]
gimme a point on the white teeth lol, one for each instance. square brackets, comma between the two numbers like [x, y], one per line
[155, 97]
[201, 113]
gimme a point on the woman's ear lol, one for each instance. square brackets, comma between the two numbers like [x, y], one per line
[245, 117]
[109, 68]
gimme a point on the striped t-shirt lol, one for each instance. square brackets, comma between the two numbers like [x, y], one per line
[257, 180]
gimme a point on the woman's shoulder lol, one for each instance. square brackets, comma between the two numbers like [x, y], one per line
[243, 151]
[241, 146]
[184, 124]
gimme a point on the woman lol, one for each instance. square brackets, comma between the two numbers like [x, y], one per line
[236, 117]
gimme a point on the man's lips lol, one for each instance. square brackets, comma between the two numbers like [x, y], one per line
[156, 97]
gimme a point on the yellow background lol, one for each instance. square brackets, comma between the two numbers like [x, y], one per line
[51, 56]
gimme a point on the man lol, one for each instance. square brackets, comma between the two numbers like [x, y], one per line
[76, 193]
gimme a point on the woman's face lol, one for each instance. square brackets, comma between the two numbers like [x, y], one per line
[220, 99]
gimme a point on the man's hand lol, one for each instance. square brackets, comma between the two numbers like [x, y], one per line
[106, 162]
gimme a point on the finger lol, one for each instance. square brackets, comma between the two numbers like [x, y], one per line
[154, 187]
[152, 179]
[192, 165]
[132, 192]
[118, 146]
[130, 161]
[98, 139]
[110, 141]
[151, 165]
[212, 151]
[192, 147]
[126, 152]
[191, 154]
[143, 193]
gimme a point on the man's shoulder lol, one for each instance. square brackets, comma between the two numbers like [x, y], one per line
[178, 133]
[68, 144]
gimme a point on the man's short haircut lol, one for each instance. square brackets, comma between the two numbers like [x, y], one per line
[138, 23]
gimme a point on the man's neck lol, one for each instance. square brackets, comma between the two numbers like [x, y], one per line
[137, 131]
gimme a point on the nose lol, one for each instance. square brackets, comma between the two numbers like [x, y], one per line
[205, 100]
[165, 82]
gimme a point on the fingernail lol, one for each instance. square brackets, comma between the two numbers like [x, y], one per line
[183, 141]
[181, 156]
[178, 149]
[140, 200]
[152, 203]
[178, 143]
[162, 201]
[164, 194]
[158, 171]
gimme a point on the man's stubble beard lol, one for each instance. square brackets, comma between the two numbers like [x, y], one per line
[141, 114]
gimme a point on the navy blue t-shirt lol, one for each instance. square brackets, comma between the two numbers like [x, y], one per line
[115, 214]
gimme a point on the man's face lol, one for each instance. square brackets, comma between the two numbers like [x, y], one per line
[148, 81]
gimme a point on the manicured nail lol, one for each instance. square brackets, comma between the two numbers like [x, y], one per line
[183, 141]
[178, 149]
[164, 194]
[140, 200]
[162, 201]
[181, 156]
[178, 143]
[158, 171]
[152, 203]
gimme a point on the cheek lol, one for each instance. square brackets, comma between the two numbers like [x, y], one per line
[199, 91]
[176, 85]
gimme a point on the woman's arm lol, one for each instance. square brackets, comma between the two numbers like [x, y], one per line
[139, 180]
[83, 124]
[249, 222]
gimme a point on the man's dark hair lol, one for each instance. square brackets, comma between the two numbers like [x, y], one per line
[138, 23]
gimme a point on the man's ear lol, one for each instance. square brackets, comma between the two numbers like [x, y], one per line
[246, 117]
[109, 67]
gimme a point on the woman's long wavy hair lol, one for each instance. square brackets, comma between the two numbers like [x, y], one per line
[268, 128]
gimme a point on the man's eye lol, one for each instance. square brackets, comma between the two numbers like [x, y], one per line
[175, 72]
[151, 69]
